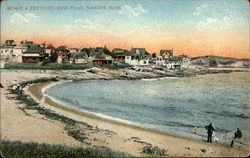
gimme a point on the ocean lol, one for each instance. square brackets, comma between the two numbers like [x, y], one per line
[170, 105]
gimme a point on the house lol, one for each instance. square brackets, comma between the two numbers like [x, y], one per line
[94, 52]
[184, 60]
[10, 43]
[79, 58]
[103, 60]
[73, 50]
[120, 54]
[48, 51]
[160, 61]
[173, 63]
[34, 54]
[138, 57]
[26, 43]
[10, 52]
[138, 53]
[166, 54]
[62, 54]
[17, 53]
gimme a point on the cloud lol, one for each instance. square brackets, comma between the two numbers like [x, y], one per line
[132, 12]
[199, 10]
[220, 22]
[19, 18]
[87, 24]
[209, 23]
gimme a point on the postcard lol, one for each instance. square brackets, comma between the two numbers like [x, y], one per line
[125, 78]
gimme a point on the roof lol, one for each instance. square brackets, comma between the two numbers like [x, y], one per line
[34, 49]
[80, 55]
[119, 50]
[173, 59]
[61, 49]
[141, 52]
[10, 43]
[26, 42]
[162, 52]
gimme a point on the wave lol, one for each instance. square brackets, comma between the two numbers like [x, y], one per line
[228, 114]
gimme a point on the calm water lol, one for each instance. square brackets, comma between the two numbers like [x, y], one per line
[171, 105]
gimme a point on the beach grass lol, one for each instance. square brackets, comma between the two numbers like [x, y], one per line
[48, 66]
[20, 149]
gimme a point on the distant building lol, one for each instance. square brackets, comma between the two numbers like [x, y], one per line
[173, 63]
[94, 52]
[166, 54]
[26, 43]
[139, 53]
[138, 57]
[62, 53]
[10, 43]
[120, 54]
[184, 60]
[34, 54]
[10, 52]
[103, 60]
[79, 58]
[160, 61]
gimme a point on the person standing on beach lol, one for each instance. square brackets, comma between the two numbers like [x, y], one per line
[210, 130]
[237, 134]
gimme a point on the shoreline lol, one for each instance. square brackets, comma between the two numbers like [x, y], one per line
[123, 138]
[110, 119]
[115, 122]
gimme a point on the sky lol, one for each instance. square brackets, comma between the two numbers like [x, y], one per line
[191, 27]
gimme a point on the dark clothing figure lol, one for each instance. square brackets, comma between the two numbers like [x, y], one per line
[1, 86]
[210, 130]
[238, 133]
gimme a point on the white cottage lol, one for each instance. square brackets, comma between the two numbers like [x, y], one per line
[12, 53]
[160, 61]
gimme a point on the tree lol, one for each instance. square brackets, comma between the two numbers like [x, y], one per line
[43, 44]
[87, 50]
[154, 55]
[106, 51]
[53, 57]
[50, 46]
[62, 47]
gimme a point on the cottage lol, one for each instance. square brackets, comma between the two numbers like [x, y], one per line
[160, 61]
[12, 53]
[167, 54]
[10, 43]
[34, 54]
[120, 54]
[94, 52]
[26, 43]
[103, 60]
[138, 57]
[173, 63]
[79, 58]
[62, 54]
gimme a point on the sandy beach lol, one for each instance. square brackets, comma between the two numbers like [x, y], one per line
[30, 126]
